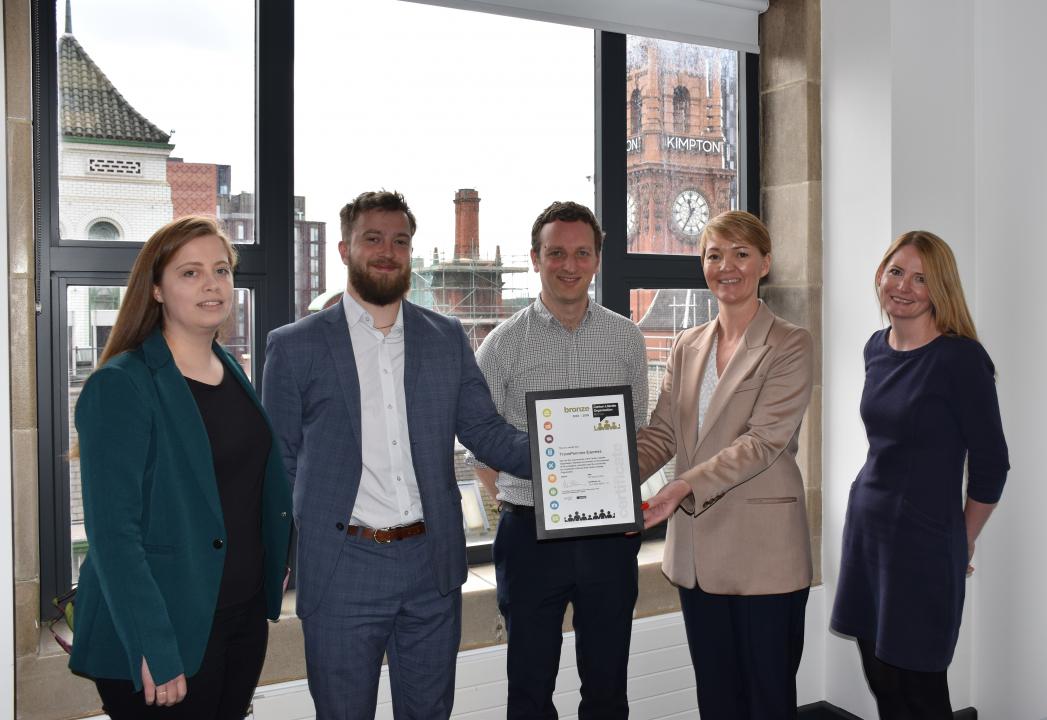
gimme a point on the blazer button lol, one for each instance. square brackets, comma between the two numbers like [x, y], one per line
[218, 543]
[340, 527]
[283, 514]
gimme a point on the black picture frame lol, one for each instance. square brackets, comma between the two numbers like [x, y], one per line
[538, 461]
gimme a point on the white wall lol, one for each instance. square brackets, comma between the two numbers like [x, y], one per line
[934, 117]
[1010, 119]
[856, 180]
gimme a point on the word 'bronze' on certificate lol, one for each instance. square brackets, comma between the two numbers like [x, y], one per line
[583, 460]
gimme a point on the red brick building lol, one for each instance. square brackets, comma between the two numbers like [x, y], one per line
[681, 160]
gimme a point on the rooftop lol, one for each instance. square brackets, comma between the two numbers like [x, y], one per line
[90, 106]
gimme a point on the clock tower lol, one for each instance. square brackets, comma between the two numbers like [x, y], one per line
[682, 142]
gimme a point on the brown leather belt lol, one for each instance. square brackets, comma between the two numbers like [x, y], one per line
[383, 536]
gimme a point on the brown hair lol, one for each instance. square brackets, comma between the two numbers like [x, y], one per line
[383, 200]
[737, 225]
[140, 313]
[566, 212]
[948, 304]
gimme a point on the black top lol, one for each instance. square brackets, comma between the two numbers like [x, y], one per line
[240, 444]
[926, 412]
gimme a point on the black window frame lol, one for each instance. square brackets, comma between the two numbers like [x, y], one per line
[264, 266]
[267, 267]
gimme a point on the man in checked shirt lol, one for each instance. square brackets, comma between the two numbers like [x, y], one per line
[562, 340]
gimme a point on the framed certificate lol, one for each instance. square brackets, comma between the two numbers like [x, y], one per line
[583, 462]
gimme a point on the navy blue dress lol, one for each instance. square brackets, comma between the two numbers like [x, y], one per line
[904, 555]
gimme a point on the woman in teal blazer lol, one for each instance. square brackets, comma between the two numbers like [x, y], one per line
[186, 505]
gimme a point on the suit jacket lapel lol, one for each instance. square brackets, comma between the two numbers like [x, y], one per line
[413, 344]
[186, 422]
[751, 350]
[341, 347]
[689, 379]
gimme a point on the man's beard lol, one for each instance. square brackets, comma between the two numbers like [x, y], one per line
[381, 290]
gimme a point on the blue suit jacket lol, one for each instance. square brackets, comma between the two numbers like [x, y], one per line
[151, 508]
[311, 389]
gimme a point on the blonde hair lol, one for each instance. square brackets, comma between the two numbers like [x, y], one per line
[737, 225]
[948, 305]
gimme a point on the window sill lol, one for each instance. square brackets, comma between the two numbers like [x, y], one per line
[482, 626]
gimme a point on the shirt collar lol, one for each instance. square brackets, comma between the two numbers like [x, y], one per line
[356, 314]
[545, 314]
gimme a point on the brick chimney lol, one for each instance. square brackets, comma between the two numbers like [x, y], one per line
[466, 224]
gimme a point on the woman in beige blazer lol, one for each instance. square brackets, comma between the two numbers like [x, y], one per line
[737, 546]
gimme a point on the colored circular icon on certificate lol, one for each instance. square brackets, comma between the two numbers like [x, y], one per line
[554, 492]
[548, 438]
[554, 505]
[550, 452]
[551, 478]
[548, 425]
[547, 413]
[555, 518]
[551, 465]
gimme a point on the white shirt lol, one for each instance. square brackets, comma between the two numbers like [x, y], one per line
[388, 494]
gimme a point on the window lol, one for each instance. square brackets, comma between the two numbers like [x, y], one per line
[656, 196]
[445, 138]
[444, 142]
[636, 113]
[681, 110]
[106, 143]
[103, 230]
[684, 175]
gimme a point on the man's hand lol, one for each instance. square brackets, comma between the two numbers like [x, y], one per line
[488, 477]
[171, 692]
[664, 503]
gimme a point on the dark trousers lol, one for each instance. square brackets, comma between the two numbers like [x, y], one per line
[225, 683]
[746, 650]
[905, 694]
[535, 582]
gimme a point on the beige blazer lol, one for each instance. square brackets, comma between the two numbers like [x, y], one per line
[744, 530]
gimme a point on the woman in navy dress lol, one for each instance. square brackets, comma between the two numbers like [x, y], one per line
[929, 405]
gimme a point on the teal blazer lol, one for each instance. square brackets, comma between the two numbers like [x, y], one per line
[156, 537]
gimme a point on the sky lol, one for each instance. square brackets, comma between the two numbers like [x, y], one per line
[388, 94]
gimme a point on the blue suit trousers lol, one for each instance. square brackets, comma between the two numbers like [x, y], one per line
[383, 600]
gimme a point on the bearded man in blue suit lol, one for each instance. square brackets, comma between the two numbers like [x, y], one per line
[366, 398]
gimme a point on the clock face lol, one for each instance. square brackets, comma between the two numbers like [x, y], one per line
[690, 212]
[630, 214]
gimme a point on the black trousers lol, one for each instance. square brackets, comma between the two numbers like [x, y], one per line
[598, 577]
[905, 694]
[223, 687]
[746, 650]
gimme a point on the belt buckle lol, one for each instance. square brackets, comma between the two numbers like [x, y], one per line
[385, 530]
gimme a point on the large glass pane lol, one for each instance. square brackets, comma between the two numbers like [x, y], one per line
[437, 104]
[682, 142]
[156, 109]
[90, 315]
[661, 315]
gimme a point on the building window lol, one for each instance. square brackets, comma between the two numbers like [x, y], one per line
[110, 155]
[481, 277]
[473, 240]
[681, 110]
[636, 113]
[103, 230]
